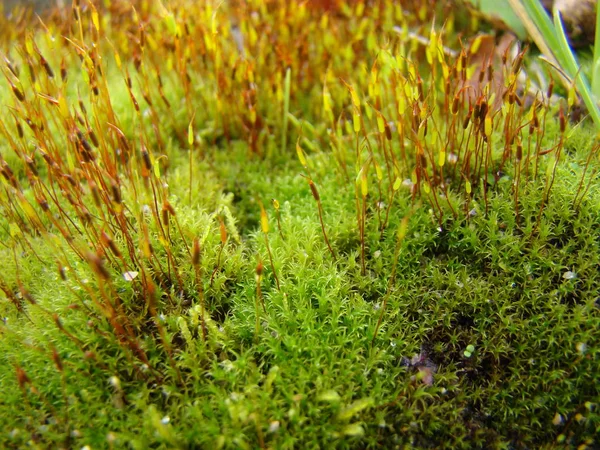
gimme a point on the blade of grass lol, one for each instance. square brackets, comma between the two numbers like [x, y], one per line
[286, 107]
[596, 60]
[570, 65]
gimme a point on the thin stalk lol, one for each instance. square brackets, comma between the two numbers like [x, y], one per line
[286, 108]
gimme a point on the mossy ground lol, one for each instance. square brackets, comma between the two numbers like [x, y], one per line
[489, 338]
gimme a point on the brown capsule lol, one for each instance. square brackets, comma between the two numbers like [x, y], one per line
[70, 179]
[7, 171]
[147, 98]
[137, 62]
[108, 242]
[505, 56]
[93, 137]
[519, 155]
[83, 141]
[97, 265]
[420, 89]
[85, 214]
[518, 100]
[518, 63]
[259, 269]
[169, 208]
[388, 131]
[30, 162]
[18, 93]
[61, 271]
[116, 191]
[22, 377]
[562, 120]
[455, 104]
[314, 191]
[490, 70]
[63, 71]
[31, 71]
[165, 216]
[46, 67]
[142, 37]
[31, 125]
[57, 360]
[196, 252]
[19, 129]
[550, 88]
[483, 110]
[146, 158]
[135, 102]
[41, 200]
[467, 119]
[416, 121]
[27, 296]
[95, 193]
[164, 99]
[57, 322]
[82, 107]
[14, 70]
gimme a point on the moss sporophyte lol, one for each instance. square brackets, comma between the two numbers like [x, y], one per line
[426, 273]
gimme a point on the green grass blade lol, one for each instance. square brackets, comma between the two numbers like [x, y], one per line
[572, 68]
[539, 16]
[596, 66]
[286, 108]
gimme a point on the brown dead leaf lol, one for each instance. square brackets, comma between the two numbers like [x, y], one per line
[486, 51]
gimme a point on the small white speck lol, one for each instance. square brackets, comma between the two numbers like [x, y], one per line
[274, 426]
[569, 275]
[581, 347]
[165, 420]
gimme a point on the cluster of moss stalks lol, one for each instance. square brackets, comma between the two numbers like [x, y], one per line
[285, 224]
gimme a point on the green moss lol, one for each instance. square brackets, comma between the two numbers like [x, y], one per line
[489, 333]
